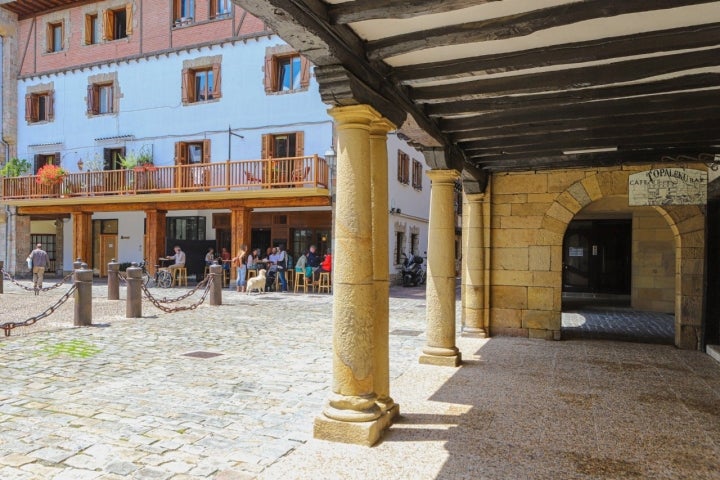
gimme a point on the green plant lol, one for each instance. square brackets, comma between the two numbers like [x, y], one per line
[136, 159]
[51, 175]
[15, 167]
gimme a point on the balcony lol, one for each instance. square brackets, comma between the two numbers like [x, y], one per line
[291, 173]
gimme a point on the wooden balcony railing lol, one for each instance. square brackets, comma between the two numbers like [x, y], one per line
[292, 172]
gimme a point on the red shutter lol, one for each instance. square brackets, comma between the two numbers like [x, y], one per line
[50, 106]
[216, 81]
[206, 151]
[304, 72]
[28, 107]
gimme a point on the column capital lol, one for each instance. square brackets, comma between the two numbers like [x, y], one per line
[381, 127]
[475, 197]
[443, 176]
[363, 115]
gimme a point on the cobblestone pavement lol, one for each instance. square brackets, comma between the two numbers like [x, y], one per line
[608, 323]
[123, 399]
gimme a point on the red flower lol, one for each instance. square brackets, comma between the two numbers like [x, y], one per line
[50, 175]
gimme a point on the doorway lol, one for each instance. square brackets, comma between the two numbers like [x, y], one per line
[108, 251]
[597, 257]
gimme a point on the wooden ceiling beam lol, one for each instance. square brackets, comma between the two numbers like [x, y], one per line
[350, 12]
[696, 36]
[556, 99]
[571, 79]
[595, 113]
[516, 25]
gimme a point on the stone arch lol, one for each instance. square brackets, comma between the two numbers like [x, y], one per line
[687, 222]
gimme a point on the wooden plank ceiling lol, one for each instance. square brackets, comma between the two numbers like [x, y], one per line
[521, 84]
[29, 8]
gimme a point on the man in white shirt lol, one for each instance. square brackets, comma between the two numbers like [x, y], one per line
[179, 258]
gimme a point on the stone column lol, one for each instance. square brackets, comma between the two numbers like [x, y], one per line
[440, 348]
[473, 266]
[83, 297]
[133, 292]
[380, 256]
[217, 284]
[82, 236]
[113, 282]
[351, 414]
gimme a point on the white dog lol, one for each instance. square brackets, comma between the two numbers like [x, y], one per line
[257, 283]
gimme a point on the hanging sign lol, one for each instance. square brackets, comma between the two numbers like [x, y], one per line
[668, 186]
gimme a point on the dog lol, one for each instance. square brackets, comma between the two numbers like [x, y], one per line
[257, 283]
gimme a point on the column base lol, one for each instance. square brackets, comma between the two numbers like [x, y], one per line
[474, 332]
[358, 433]
[441, 361]
[389, 414]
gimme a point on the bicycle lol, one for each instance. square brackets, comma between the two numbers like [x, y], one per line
[162, 278]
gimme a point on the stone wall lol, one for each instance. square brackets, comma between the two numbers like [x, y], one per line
[653, 266]
[529, 213]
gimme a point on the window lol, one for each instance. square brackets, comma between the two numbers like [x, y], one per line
[282, 145]
[43, 159]
[183, 12]
[414, 243]
[92, 29]
[399, 247]
[39, 107]
[100, 98]
[54, 37]
[117, 24]
[403, 168]
[201, 84]
[111, 158]
[417, 175]
[185, 228]
[220, 8]
[192, 152]
[286, 73]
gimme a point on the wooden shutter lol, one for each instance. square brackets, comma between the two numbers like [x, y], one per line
[28, 107]
[185, 92]
[216, 81]
[50, 107]
[213, 8]
[299, 144]
[128, 19]
[36, 163]
[267, 146]
[181, 153]
[304, 72]
[399, 166]
[108, 21]
[206, 151]
[270, 74]
[49, 38]
[92, 100]
[88, 29]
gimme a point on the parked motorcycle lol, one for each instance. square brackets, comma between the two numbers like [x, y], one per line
[413, 272]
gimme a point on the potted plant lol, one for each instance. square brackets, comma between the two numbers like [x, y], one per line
[15, 167]
[50, 175]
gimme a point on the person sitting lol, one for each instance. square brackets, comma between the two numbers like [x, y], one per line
[210, 257]
[179, 258]
[225, 257]
[313, 261]
[325, 266]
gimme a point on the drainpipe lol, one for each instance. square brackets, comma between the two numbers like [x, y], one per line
[5, 145]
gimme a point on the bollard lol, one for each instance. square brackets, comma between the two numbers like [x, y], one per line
[2, 275]
[77, 264]
[83, 297]
[113, 280]
[217, 284]
[133, 307]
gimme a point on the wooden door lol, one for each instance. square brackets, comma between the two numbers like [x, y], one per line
[108, 251]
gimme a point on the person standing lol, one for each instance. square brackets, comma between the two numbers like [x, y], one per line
[281, 262]
[39, 261]
[240, 264]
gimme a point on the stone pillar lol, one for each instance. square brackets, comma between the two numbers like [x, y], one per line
[440, 296]
[133, 304]
[217, 284]
[155, 238]
[83, 297]
[77, 263]
[82, 236]
[473, 266]
[351, 415]
[2, 276]
[113, 284]
[380, 257]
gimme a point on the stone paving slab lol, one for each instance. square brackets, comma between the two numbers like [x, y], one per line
[123, 400]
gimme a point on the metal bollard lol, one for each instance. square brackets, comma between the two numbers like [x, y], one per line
[83, 297]
[217, 284]
[113, 280]
[77, 264]
[1, 276]
[133, 307]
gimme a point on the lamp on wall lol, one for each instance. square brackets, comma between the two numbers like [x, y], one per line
[330, 157]
[395, 210]
[80, 164]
